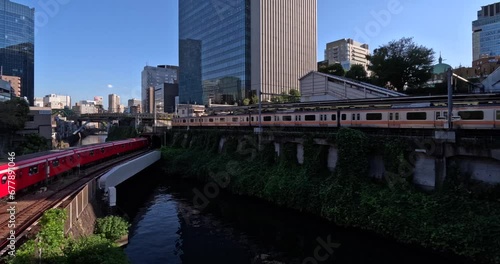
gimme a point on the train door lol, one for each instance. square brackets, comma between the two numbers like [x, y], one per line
[394, 121]
[441, 119]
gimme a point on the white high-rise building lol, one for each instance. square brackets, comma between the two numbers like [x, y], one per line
[55, 101]
[347, 52]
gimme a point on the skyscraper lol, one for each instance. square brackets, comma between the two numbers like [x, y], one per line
[228, 50]
[152, 77]
[486, 32]
[113, 103]
[17, 44]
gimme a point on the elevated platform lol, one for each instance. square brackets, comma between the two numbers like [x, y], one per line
[121, 173]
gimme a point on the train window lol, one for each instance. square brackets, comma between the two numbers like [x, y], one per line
[391, 116]
[91, 153]
[267, 118]
[397, 116]
[210, 120]
[344, 117]
[55, 163]
[309, 117]
[334, 117]
[471, 115]
[286, 118]
[222, 119]
[358, 116]
[247, 119]
[235, 119]
[184, 121]
[353, 116]
[416, 116]
[33, 170]
[4, 178]
[191, 120]
[71, 158]
[374, 116]
[102, 149]
[498, 115]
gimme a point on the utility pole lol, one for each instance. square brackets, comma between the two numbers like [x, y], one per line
[450, 99]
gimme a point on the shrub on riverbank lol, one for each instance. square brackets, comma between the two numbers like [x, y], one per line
[448, 220]
[51, 245]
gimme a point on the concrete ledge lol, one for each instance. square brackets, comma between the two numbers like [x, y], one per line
[124, 171]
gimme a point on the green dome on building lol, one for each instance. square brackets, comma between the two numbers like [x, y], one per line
[440, 67]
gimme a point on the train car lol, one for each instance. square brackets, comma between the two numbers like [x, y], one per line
[409, 116]
[35, 168]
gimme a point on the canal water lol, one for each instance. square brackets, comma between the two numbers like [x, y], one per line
[171, 224]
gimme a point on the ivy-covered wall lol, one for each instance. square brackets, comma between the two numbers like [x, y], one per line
[453, 219]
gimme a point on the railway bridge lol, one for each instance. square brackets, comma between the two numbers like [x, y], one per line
[430, 154]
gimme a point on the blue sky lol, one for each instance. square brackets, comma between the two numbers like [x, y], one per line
[89, 48]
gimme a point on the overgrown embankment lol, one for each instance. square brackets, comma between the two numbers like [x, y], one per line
[121, 132]
[449, 220]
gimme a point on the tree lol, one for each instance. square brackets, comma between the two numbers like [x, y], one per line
[13, 115]
[33, 143]
[357, 72]
[401, 64]
[294, 95]
[246, 101]
[334, 69]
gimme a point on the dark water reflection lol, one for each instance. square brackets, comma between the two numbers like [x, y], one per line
[168, 228]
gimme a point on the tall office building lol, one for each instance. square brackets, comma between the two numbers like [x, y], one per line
[486, 32]
[17, 45]
[228, 50]
[347, 52]
[152, 77]
[114, 103]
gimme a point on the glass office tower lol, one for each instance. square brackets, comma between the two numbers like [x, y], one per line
[214, 51]
[17, 40]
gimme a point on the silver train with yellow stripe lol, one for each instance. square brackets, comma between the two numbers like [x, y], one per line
[410, 116]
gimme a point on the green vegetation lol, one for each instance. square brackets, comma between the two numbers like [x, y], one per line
[13, 115]
[357, 72]
[333, 69]
[51, 245]
[121, 132]
[401, 64]
[112, 227]
[450, 220]
[33, 143]
[293, 96]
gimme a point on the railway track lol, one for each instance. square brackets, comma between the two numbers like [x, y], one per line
[28, 212]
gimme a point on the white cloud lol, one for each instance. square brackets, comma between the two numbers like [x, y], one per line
[110, 86]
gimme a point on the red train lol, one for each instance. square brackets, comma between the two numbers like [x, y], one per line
[24, 171]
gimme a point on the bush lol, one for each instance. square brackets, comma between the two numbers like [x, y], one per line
[112, 227]
[94, 249]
